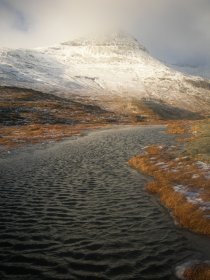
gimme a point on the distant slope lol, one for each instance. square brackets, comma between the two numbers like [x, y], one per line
[111, 70]
[24, 107]
[28, 116]
[200, 70]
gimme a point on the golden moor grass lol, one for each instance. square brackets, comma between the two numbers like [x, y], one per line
[14, 136]
[197, 272]
[198, 143]
[170, 168]
[199, 147]
[180, 127]
[177, 127]
[27, 116]
[168, 172]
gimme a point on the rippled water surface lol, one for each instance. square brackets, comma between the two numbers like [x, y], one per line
[75, 210]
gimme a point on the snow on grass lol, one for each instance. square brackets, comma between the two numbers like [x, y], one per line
[193, 270]
[193, 195]
[186, 195]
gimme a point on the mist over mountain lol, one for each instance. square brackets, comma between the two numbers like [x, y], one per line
[193, 69]
[112, 70]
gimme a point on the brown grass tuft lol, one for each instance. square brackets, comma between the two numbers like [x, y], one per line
[185, 129]
[169, 172]
[198, 272]
[14, 136]
[177, 127]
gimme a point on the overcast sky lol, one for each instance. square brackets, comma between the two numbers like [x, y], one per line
[172, 30]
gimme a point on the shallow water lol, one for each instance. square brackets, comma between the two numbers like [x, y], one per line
[75, 210]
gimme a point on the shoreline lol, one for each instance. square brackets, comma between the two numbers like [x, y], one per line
[182, 183]
[177, 189]
[198, 238]
[4, 149]
[73, 131]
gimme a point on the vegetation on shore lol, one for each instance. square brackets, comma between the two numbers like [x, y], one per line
[182, 174]
[181, 183]
[182, 180]
[194, 270]
[197, 272]
[27, 116]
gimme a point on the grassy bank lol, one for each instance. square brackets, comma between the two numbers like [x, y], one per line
[194, 270]
[182, 180]
[181, 184]
[182, 174]
[198, 272]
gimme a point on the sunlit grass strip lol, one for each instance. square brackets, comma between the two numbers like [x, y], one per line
[13, 136]
[178, 127]
[194, 271]
[168, 172]
[199, 147]
[198, 272]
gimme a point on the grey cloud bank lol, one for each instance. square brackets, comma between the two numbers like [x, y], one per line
[174, 31]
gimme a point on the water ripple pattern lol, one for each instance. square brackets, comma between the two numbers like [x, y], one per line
[75, 210]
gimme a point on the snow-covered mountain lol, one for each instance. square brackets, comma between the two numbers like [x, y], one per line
[112, 70]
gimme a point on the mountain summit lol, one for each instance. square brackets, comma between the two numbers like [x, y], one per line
[112, 70]
[117, 39]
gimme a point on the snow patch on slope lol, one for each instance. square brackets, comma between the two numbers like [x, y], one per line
[108, 65]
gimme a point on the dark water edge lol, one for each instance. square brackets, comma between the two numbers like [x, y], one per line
[75, 210]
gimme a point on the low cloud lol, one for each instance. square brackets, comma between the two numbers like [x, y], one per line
[12, 16]
[172, 30]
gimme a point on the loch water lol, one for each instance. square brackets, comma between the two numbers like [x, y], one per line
[76, 210]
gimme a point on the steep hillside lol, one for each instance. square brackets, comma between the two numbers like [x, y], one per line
[110, 70]
[28, 116]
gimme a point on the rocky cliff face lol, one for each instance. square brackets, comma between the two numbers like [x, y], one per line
[112, 70]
